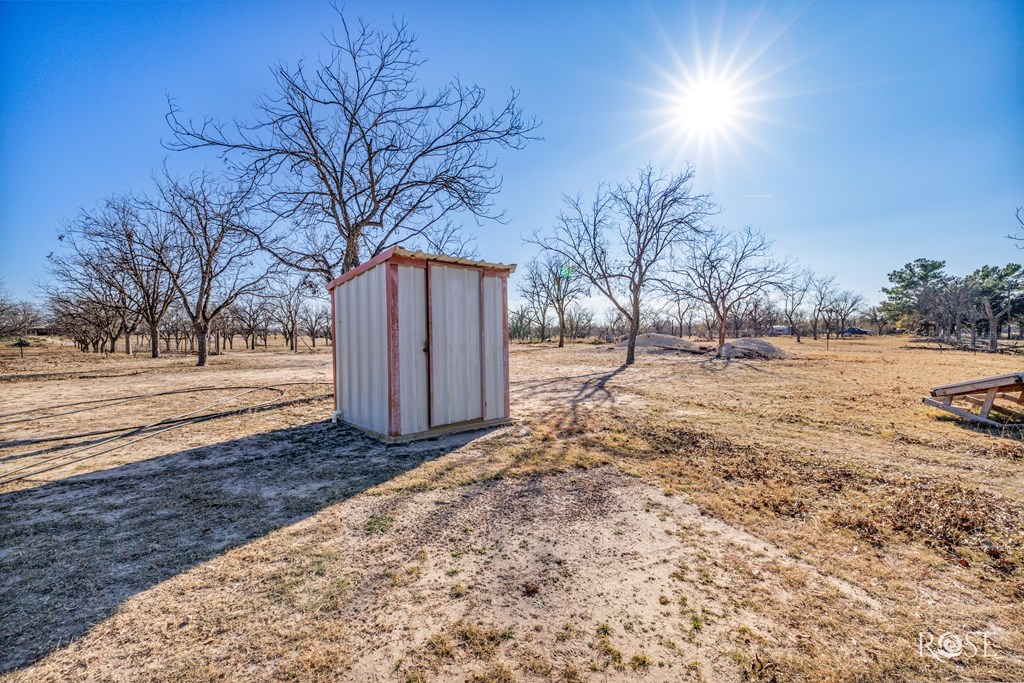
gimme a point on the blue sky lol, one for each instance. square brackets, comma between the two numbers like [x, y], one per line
[870, 133]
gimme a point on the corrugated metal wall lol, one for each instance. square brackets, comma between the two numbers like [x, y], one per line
[362, 350]
[412, 348]
[494, 348]
[455, 350]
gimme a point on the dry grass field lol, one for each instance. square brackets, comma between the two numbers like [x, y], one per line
[684, 519]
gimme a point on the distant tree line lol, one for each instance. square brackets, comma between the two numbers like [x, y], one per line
[17, 318]
[649, 247]
[981, 306]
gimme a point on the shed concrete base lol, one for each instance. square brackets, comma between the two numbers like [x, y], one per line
[433, 433]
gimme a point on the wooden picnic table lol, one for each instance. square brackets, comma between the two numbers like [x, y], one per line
[983, 394]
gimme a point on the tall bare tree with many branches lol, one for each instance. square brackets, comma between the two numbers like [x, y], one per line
[352, 156]
[622, 241]
[792, 304]
[213, 259]
[726, 270]
[552, 283]
[124, 245]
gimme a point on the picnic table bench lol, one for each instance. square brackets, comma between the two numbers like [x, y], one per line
[983, 394]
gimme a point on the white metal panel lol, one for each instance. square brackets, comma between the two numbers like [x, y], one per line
[362, 350]
[494, 348]
[455, 345]
[412, 349]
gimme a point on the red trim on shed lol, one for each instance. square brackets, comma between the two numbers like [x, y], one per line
[394, 365]
[362, 268]
[504, 340]
[404, 260]
[334, 350]
[418, 258]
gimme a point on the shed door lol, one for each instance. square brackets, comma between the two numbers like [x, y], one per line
[412, 349]
[456, 383]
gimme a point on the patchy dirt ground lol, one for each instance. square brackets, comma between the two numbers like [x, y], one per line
[682, 519]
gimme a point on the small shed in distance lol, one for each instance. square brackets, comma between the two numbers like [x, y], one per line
[420, 345]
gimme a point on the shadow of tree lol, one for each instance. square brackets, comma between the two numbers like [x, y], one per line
[593, 391]
[73, 550]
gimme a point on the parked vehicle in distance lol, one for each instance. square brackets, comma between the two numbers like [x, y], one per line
[853, 331]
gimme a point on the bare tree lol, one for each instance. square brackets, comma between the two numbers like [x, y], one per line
[823, 290]
[84, 284]
[758, 315]
[552, 283]
[519, 322]
[121, 243]
[353, 156]
[726, 270]
[16, 317]
[287, 300]
[314, 319]
[622, 242]
[955, 301]
[793, 296]
[877, 318]
[88, 322]
[537, 294]
[251, 312]
[843, 306]
[680, 307]
[578, 322]
[213, 258]
[1020, 227]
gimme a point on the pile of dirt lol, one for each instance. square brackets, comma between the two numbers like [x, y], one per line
[660, 343]
[750, 348]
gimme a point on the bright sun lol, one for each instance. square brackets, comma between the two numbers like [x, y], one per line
[706, 110]
[708, 107]
[715, 100]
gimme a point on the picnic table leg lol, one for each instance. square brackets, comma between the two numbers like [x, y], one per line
[987, 405]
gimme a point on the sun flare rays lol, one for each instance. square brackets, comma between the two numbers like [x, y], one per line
[710, 100]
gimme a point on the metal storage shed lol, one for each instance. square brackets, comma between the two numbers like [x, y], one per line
[420, 345]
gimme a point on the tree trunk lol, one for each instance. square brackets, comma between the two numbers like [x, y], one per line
[202, 342]
[634, 331]
[154, 340]
[351, 250]
[993, 326]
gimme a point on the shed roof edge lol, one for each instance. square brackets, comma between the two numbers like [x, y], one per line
[420, 255]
